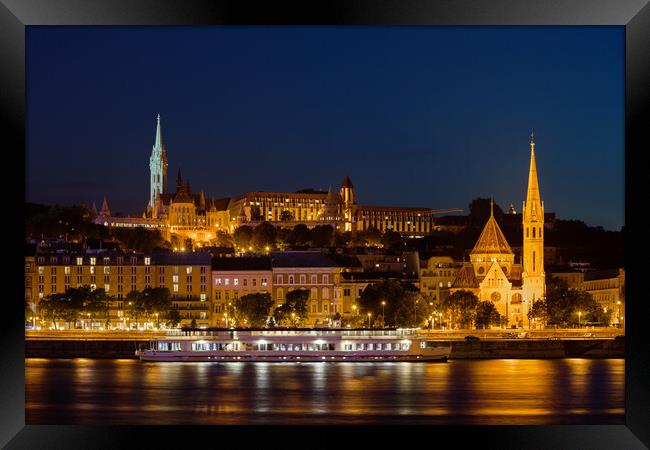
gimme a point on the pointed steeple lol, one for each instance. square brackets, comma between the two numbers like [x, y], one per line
[106, 212]
[93, 210]
[533, 200]
[179, 181]
[159, 142]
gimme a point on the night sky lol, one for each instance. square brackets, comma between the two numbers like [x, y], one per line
[422, 116]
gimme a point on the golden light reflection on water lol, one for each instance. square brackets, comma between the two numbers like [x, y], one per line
[480, 391]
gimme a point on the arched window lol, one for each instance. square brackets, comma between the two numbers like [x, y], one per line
[313, 293]
[540, 232]
[326, 293]
[533, 232]
[495, 297]
[526, 232]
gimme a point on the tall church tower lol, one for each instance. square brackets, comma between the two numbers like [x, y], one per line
[533, 278]
[349, 204]
[158, 169]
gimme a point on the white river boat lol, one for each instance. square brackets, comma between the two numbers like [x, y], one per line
[295, 345]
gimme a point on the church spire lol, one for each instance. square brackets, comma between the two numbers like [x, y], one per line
[533, 201]
[179, 181]
[159, 142]
[105, 212]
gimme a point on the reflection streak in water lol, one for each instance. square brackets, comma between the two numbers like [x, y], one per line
[92, 392]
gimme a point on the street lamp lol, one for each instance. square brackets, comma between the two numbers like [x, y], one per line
[293, 319]
[369, 314]
[579, 315]
[354, 308]
[383, 314]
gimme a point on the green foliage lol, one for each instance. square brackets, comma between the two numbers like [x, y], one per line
[223, 239]
[300, 235]
[138, 239]
[264, 235]
[486, 315]
[462, 307]
[172, 318]
[565, 307]
[295, 303]
[254, 308]
[242, 237]
[322, 236]
[391, 240]
[405, 306]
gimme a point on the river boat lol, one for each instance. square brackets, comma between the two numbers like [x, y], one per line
[295, 345]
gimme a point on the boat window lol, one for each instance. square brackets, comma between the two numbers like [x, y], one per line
[423, 344]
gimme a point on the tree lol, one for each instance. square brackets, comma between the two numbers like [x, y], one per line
[539, 311]
[462, 307]
[404, 305]
[486, 315]
[342, 239]
[300, 235]
[97, 304]
[223, 239]
[243, 236]
[254, 308]
[562, 305]
[322, 236]
[283, 238]
[295, 303]
[264, 236]
[193, 323]
[286, 216]
[172, 318]
[391, 240]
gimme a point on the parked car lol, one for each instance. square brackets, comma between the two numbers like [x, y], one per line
[472, 338]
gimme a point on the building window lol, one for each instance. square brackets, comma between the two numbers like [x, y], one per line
[92, 270]
[147, 261]
[92, 261]
[235, 281]
[245, 282]
[279, 294]
[41, 270]
[326, 293]
[188, 270]
[290, 279]
[107, 270]
[303, 279]
[217, 281]
[203, 297]
[326, 279]
[107, 287]
[314, 279]
[227, 281]
[264, 282]
[279, 279]
[66, 270]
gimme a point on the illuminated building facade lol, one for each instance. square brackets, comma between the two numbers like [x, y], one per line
[492, 273]
[182, 214]
[187, 276]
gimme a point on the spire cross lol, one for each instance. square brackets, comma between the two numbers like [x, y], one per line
[491, 206]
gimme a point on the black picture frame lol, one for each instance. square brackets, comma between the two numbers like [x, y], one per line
[15, 15]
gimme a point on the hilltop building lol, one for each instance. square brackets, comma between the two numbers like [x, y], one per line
[185, 214]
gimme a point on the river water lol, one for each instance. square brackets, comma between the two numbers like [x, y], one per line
[498, 391]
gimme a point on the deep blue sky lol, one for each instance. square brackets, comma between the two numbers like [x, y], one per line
[421, 116]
